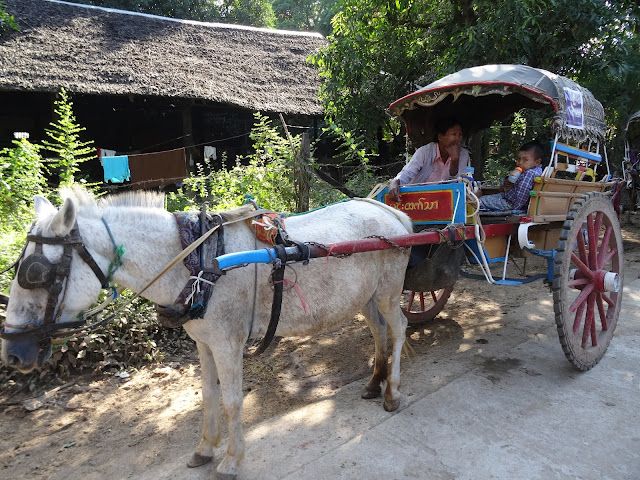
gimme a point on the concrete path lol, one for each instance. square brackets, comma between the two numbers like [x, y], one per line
[508, 407]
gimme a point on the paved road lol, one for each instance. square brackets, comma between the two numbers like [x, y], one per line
[512, 408]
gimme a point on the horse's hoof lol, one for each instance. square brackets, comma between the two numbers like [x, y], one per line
[391, 405]
[225, 476]
[198, 460]
[371, 392]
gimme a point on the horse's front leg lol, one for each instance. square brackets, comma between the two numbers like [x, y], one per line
[229, 360]
[211, 401]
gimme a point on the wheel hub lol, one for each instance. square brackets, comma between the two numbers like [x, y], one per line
[603, 280]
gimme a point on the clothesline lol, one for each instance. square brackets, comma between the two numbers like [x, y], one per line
[165, 181]
[209, 142]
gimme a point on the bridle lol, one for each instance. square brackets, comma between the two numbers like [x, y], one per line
[36, 271]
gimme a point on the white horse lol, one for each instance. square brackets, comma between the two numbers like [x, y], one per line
[335, 289]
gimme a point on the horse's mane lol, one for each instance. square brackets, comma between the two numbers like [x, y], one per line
[88, 204]
[133, 199]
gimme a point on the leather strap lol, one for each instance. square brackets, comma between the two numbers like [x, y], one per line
[276, 306]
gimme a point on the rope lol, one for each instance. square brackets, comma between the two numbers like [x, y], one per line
[118, 251]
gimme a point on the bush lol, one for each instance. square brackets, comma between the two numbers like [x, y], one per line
[22, 175]
[131, 339]
[266, 175]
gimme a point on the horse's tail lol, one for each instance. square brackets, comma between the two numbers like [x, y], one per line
[403, 217]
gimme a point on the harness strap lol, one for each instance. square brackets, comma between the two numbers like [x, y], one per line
[278, 285]
[88, 259]
[54, 290]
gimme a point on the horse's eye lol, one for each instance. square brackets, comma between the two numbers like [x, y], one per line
[36, 271]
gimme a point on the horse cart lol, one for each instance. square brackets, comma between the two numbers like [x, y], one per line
[88, 244]
[631, 170]
[570, 221]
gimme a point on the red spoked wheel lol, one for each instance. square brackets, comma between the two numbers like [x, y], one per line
[587, 286]
[420, 307]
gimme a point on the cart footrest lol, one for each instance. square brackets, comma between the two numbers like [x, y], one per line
[506, 281]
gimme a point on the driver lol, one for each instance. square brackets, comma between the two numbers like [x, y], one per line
[438, 161]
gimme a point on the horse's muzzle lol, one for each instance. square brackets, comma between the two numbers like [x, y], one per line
[24, 354]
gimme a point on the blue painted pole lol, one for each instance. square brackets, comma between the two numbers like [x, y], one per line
[266, 255]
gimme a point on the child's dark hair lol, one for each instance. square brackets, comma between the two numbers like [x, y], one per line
[533, 146]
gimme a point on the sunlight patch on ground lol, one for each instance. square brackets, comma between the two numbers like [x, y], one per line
[309, 416]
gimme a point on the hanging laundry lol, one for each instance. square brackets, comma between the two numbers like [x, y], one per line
[160, 168]
[116, 169]
[104, 152]
[210, 153]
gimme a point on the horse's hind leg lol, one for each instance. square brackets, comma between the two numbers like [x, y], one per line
[378, 326]
[211, 400]
[389, 307]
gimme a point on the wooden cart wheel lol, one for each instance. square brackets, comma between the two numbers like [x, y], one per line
[587, 285]
[420, 307]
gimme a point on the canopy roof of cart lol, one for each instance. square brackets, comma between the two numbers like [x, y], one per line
[633, 130]
[478, 96]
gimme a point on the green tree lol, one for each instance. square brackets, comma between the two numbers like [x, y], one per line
[21, 177]
[380, 50]
[304, 15]
[258, 13]
[7, 22]
[65, 141]
[204, 10]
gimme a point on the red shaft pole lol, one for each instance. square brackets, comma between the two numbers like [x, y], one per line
[409, 240]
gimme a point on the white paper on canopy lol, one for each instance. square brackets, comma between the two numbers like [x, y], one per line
[575, 113]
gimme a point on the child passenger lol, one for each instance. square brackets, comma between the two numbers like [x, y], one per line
[516, 196]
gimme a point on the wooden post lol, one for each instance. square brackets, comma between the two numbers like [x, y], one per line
[187, 132]
[302, 176]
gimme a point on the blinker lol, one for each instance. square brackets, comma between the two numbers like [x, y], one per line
[36, 271]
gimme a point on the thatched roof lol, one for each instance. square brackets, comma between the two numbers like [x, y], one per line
[94, 50]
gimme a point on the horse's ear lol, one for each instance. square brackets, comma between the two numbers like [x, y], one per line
[65, 219]
[42, 205]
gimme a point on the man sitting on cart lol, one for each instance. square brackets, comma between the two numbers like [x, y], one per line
[515, 196]
[438, 161]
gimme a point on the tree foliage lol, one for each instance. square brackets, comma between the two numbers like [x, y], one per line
[64, 141]
[7, 22]
[257, 13]
[22, 175]
[304, 15]
[381, 50]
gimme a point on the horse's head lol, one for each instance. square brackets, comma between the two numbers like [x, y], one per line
[56, 280]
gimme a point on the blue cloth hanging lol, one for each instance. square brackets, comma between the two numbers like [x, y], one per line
[116, 169]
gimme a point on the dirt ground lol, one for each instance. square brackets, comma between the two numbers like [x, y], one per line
[89, 427]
